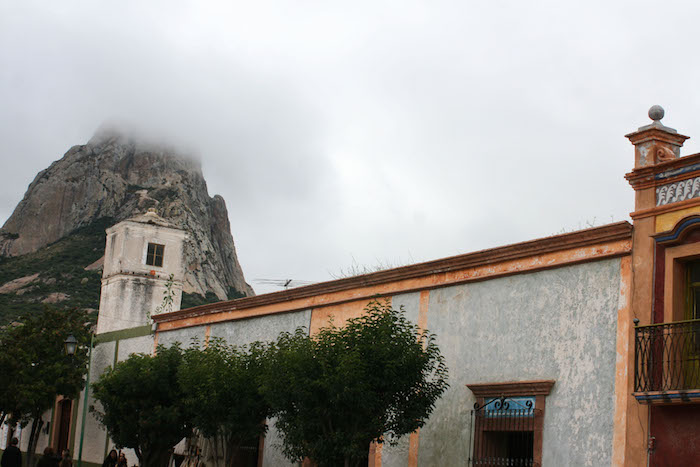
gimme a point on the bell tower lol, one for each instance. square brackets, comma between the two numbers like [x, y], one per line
[141, 255]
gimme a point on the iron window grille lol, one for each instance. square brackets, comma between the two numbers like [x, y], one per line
[503, 432]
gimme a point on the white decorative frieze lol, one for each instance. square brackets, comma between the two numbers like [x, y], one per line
[678, 191]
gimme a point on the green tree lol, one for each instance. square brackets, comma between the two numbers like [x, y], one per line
[35, 368]
[220, 383]
[142, 405]
[375, 379]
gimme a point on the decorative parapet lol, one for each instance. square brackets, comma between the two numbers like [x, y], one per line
[678, 191]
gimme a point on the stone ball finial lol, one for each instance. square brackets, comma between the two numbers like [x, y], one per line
[656, 112]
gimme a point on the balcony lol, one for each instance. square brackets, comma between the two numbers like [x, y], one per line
[667, 362]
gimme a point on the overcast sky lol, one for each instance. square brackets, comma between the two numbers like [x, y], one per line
[341, 132]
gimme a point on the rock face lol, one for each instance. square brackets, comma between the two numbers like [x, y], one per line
[116, 176]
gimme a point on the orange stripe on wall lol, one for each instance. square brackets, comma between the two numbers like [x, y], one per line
[413, 448]
[375, 455]
[207, 335]
[622, 369]
[423, 309]
[338, 314]
[422, 324]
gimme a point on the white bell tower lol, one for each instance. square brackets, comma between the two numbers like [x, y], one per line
[140, 255]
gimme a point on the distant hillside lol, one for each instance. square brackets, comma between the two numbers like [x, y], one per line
[54, 274]
[57, 230]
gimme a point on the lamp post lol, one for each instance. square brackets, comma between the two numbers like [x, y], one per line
[71, 345]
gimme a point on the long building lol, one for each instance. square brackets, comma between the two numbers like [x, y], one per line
[591, 337]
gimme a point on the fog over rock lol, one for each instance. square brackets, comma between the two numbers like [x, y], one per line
[118, 175]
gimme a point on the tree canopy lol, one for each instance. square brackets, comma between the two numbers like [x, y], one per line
[142, 404]
[34, 366]
[221, 391]
[375, 379]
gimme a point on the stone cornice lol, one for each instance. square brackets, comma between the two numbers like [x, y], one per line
[662, 173]
[651, 133]
[657, 210]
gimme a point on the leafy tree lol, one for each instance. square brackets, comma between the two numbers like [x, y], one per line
[375, 379]
[142, 405]
[220, 383]
[35, 368]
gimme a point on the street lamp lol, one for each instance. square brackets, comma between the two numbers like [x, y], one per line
[71, 345]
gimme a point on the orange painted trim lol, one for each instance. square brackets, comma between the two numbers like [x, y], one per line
[375, 455]
[413, 441]
[339, 315]
[207, 335]
[674, 298]
[414, 438]
[624, 365]
[655, 211]
[437, 279]
[423, 309]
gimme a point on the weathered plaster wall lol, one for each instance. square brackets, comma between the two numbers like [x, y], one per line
[556, 324]
[265, 328]
[397, 456]
[95, 436]
[127, 244]
[143, 344]
[184, 336]
[126, 300]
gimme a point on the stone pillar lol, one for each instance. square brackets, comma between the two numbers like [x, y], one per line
[655, 143]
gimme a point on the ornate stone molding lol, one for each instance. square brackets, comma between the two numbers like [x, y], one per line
[678, 191]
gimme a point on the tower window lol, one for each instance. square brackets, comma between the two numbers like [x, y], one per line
[154, 256]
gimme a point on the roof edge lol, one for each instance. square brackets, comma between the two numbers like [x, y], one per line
[581, 238]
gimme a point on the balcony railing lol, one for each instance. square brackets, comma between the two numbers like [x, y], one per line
[667, 357]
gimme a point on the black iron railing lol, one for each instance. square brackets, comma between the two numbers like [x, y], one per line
[667, 356]
[503, 433]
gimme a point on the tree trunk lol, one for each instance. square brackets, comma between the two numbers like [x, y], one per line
[154, 458]
[231, 453]
[37, 423]
[219, 461]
